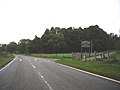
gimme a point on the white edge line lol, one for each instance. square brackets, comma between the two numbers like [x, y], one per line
[91, 73]
[8, 64]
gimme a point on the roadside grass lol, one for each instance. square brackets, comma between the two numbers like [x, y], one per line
[5, 60]
[109, 68]
[98, 67]
[58, 56]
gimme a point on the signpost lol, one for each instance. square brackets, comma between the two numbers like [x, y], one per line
[0, 45]
[86, 44]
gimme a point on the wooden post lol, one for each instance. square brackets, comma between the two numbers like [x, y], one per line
[85, 56]
[95, 54]
[91, 47]
[101, 56]
[104, 55]
[81, 50]
[108, 55]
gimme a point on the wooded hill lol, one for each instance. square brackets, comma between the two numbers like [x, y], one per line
[66, 40]
[62, 40]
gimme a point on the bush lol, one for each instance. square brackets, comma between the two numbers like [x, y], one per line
[114, 60]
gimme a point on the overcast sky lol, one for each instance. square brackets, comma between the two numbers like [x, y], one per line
[23, 19]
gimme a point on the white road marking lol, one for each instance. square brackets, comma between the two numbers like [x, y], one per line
[49, 86]
[39, 73]
[33, 66]
[35, 59]
[45, 81]
[91, 73]
[20, 60]
[42, 76]
[9, 63]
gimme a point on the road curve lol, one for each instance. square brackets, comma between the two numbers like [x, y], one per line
[30, 73]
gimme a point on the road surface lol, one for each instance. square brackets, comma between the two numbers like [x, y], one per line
[30, 73]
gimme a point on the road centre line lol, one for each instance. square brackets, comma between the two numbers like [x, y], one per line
[20, 60]
[45, 81]
[42, 77]
[113, 80]
[35, 59]
[33, 66]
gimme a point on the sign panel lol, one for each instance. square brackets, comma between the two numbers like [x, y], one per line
[85, 43]
[0, 45]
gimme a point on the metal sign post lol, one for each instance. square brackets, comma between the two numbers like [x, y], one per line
[86, 44]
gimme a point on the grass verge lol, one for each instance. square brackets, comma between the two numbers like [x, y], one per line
[60, 56]
[5, 60]
[101, 68]
[108, 68]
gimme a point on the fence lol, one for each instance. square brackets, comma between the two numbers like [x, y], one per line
[95, 56]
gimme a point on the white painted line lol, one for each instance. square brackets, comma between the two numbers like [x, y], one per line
[20, 60]
[39, 73]
[42, 77]
[35, 59]
[49, 86]
[91, 73]
[33, 66]
[45, 81]
[8, 64]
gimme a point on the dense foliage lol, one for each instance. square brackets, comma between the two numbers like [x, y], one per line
[66, 40]
[60, 40]
[11, 47]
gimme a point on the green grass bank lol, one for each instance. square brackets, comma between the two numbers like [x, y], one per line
[109, 68]
[5, 60]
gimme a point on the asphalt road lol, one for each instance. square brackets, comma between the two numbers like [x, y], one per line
[29, 73]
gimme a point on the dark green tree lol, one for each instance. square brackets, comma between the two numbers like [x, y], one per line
[35, 45]
[22, 45]
[60, 40]
[117, 44]
[11, 47]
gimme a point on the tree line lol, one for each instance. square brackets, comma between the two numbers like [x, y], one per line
[65, 40]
